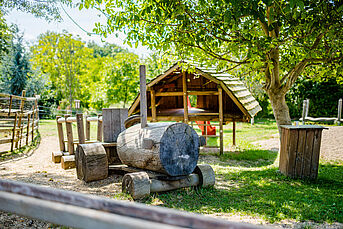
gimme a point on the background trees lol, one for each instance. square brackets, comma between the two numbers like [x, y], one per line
[271, 41]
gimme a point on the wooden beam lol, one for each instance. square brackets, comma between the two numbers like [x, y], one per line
[22, 102]
[221, 119]
[14, 131]
[143, 101]
[153, 105]
[234, 133]
[339, 115]
[185, 96]
[99, 129]
[180, 93]
[88, 129]
[128, 211]
[202, 114]
[69, 129]
[80, 128]
[60, 134]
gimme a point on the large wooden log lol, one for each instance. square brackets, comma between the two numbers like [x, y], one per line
[91, 162]
[169, 148]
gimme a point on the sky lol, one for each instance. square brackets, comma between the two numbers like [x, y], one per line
[32, 27]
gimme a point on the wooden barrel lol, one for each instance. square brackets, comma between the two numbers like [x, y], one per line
[169, 148]
[91, 162]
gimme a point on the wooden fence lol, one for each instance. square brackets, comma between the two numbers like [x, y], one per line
[88, 211]
[18, 121]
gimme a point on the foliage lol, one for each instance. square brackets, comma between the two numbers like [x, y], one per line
[64, 59]
[270, 40]
[5, 35]
[15, 69]
[323, 96]
[121, 78]
[106, 49]
[49, 9]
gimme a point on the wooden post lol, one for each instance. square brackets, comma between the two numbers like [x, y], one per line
[185, 95]
[221, 117]
[10, 105]
[339, 116]
[14, 130]
[22, 102]
[143, 102]
[60, 135]
[28, 129]
[88, 129]
[234, 133]
[80, 128]
[307, 107]
[33, 124]
[153, 105]
[99, 130]
[70, 138]
[304, 112]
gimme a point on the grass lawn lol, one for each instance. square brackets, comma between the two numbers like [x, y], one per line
[248, 182]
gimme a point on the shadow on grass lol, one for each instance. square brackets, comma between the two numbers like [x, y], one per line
[265, 193]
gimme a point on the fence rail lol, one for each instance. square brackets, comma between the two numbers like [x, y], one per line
[88, 211]
[18, 121]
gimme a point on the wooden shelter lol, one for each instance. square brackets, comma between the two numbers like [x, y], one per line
[219, 97]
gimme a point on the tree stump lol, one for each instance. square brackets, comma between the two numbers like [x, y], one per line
[136, 184]
[168, 148]
[68, 162]
[91, 162]
[206, 175]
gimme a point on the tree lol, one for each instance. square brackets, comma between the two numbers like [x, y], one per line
[106, 50]
[48, 9]
[275, 40]
[121, 78]
[15, 69]
[5, 35]
[64, 59]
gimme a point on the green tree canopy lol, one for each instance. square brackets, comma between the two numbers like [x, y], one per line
[272, 40]
[64, 59]
[16, 68]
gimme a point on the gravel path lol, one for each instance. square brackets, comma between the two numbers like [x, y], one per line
[39, 169]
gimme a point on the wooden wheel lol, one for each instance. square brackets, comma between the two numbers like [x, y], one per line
[206, 175]
[132, 120]
[136, 184]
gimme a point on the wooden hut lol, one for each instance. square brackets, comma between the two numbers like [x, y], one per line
[219, 97]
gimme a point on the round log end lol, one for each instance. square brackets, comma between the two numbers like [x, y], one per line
[206, 175]
[91, 162]
[136, 184]
[179, 149]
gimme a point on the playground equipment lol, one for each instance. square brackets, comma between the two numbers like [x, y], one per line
[154, 157]
[305, 117]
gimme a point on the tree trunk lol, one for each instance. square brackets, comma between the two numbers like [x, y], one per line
[280, 108]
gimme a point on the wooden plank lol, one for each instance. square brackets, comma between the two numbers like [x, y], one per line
[5, 140]
[221, 119]
[234, 133]
[283, 151]
[339, 113]
[69, 129]
[14, 132]
[99, 129]
[80, 128]
[68, 215]
[315, 153]
[292, 149]
[170, 93]
[308, 153]
[304, 112]
[60, 134]
[153, 105]
[27, 130]
[143, 101]
[106, 205]
[113, 123]
[299, 161]
[185, 96]
[202, 114]
[88, 129]
[8, 130]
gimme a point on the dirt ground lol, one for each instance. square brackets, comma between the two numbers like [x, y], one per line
[38, 168]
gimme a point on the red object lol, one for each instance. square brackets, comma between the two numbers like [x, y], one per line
[211, 130]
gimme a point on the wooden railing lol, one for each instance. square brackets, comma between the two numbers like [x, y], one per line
[88, 211]
[18, 121]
